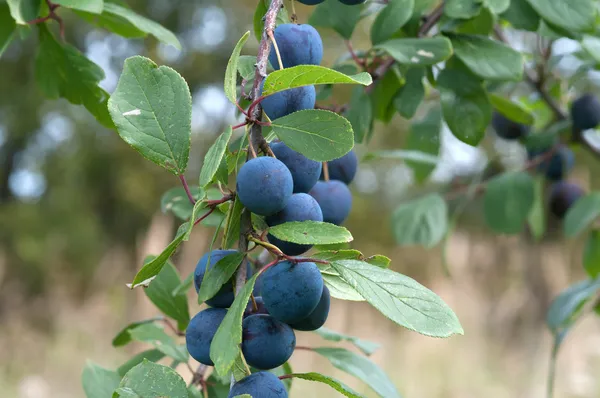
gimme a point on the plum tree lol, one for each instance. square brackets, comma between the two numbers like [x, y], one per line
[200, 332]
[266, 342]
[224, 296]
[264, 185]
[318, 316]
[289, 101]
[343, 169]
[305, 172]
[508, 129]
[292, 291]
[259, 384]
[335, 200]
[300, 207]
[260, 307]
[563, 195]
[585, 112]
[297, 44]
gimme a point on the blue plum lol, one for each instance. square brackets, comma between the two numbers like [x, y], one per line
[310, 2]
[300, 207]
[563, 195]
[343, 169]
[266, 342]
[558, 166]
[264, 185]
[289, 101]
[297, 44]
[305, 172]
[292, 291]
[335, 200]
[224, 297]
[318, 317]
[352, 2]
[508, 129]
[200, 332]
[259, 385]
[585, 112]
[260, 307]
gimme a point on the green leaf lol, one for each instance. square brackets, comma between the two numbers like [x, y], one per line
[142, 23]
[425, 51]
[424, 137]
[401, 154]
[578, 16]
[219, 275]
[152, 268]
[217, 388]
[379, 260]
[337, 16]
[7, 28]
[512, 110]
[213, 157]
[98, 382]
[507, 202]
[175, 200]
[536, 218]
[462, 9]
[522, 16]
[246, 67]
[308, 75]
[311, 233]
[123, 337]
[488, 58]
[592, 45]
[382, 97]
[232, 68]
[339, 288]
[125, 392]
[582, 214]
[185, 285]
[151, 380]
[335, 384]
[411, 95]
[94, 6]
[367, 347]
[23, 11]
[232, 226]
[391, 19]
[400, 298]
[112, 23]
[225, 347]
[360, 114]
[152, 109]
[465, 105]
[153, 355]
[62, 71]
[160, 293]
[497, 6]
[482, 24]
[317, 134]
[344, 254]
[159, 339]
[361, 368]
[591, 254]
[566, 305]
[423, 221]
[259, 14]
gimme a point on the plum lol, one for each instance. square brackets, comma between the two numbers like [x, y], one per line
[297, 44]
[200, 333]
[335, 200]
[224, 297]
[563, 195]
[285, 102]
[310, 2]
[259, 385]
[318, 317]
[585, 112]
[305, 172]
[266, 342]
[343, 169]
[508, 129]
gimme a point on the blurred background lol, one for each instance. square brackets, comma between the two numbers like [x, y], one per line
[79, 210]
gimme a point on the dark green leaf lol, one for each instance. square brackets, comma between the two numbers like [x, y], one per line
[151, 380]
[231, 71]
[565, 307]
[367, 347]
[94, 6]
[591, 254]
[335, 384]
[391, 19]
[62, 71]
[382, 97]
[123, 337]
[246, 66]
[160, 293]
[218, 275]
[159, 339]
[512, 110]
[361, 368]
[153, 355]
[424, 137]
[582, 214]
[507, 202]
[259, 13]
[7, 28]
[337, 16]
[311, 233]
[112, 23]
[411, 95]
[184, 286]
[152, 109]
[522, 16]
[425, 51]
[216, 387]
[99, 382]
[423, 221]
[482, 24]
[317, 134]
[537, 216]
[125, 392]
[23, 11]
[400, 298]
[360, 114]
[462, 9]
[578, 16]
[175, 200]
[497, 6]
[214, 156]
[232, 225]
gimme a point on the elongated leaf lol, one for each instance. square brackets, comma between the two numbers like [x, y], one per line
[214, 156]
[246, 67]
[361, 368]
[591, 254]
[218, 275]
[175, 200]
[225, 347]
[232, 68]
[507, 202]
[99, 382]
[160, 293]
[152, 109]
[537, 216]
[311, 233]
[337, 16]
[391, 19]
[402, 154]
[23, 11]
[567, 304]
[424, 138]
[512, 110]
[159, 339]
[335, 384]
[521, 15]
[360, 114]
[400, 298]
[410, 51]
[462, 9]
[153, 355]
[411, 94]
[317, 134]
[7, 28]
[578, 16]
[232, 226]
[94, 6]
[123, 337]
[151, 380]
[378, 260]
[582, 214]
[422, 221]
[345, 254]
[367, 347]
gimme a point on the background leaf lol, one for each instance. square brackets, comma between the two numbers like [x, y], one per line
[591, 254]
[367, 347]
[151, 380]
[175, 200]
[582, 214]
[507, 202]
[566, 305]
[99, 382]
[337, 16]
[24, 10]
[335, 384]
[512, 110]
[152, 355]
[423, 221]
[424, 137]
[159, 339]
[578, 16]
[214, 156]
[94, 6]
[425, 51]
[7, 28]
[232, 69]
[391, 19]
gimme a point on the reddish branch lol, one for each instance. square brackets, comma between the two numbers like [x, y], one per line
[51, 15]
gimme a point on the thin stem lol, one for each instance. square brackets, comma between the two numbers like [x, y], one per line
[552, 368]
[325, 171]
[432, 19]
[237, 126]
[172, 328]
[254, 305]
[276, 48]
[300, 347]
[358, 61]
[187, 189]
[208, 213]
[294, 17]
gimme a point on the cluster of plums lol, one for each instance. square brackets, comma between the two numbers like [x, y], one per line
[347, 2]
[585, 114]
